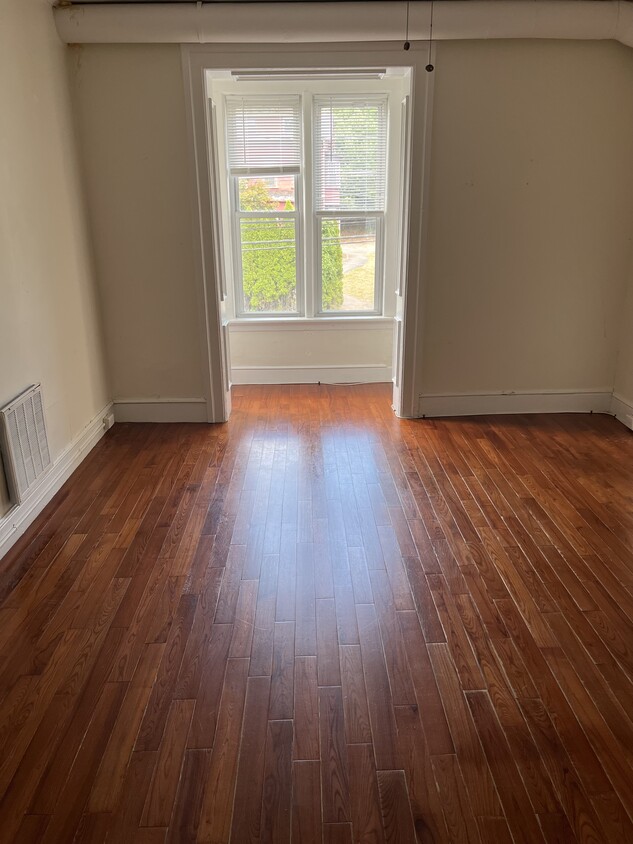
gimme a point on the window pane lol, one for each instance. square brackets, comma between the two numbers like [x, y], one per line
[269, 265]
[348, 264]
[263, 132]
[269, 193]
[350, 154]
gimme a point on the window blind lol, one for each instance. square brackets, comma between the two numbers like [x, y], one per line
[350, 153]
[263, 135]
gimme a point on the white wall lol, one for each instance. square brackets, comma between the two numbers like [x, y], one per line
[49, 325]
[129, 106]
[334, 353]
[531, 216]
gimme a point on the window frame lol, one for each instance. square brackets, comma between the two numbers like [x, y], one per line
[390, 88]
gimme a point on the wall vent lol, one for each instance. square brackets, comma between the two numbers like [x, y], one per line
[24, 442]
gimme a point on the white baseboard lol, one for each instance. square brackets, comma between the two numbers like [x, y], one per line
[18, 519]
[339, 374]
[477, 404]
[622, 409]
[160, 410]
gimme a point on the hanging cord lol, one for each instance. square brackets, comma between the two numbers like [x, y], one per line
[429, 67]
[407, 44]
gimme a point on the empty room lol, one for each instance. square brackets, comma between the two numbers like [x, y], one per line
[316, 422]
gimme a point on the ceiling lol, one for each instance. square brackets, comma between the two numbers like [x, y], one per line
[112, 2]
[211, 21]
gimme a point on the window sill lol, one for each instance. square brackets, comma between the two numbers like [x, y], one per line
[309, 323]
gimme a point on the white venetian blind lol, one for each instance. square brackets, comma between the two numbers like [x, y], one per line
[350, 153]
[263, 134]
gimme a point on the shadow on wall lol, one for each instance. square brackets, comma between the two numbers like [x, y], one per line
[5, 501]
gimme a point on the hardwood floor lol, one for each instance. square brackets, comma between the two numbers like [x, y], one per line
[319, 623]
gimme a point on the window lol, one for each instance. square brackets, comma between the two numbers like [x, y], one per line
[350, 160]
[264, 157]
[307, 186]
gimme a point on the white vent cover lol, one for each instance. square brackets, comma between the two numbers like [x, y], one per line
[24, 442]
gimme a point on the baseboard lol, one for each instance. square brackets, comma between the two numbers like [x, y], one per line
[622, 409]
[18, 519]
[339, 374]
[160, 410]
[477, 404]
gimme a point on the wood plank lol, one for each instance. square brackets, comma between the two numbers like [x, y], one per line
[427, 695]
[109, 780]
[246, 824]
[188, 807]
[57, 765]
[494, 829]
[426, 804]
[217, 804]
[305, 633]
[76, 789]
[328, 667]
[306, 802]
[262, 647]
[18, 795]
[458, 812]
[155, 716]
[510, 787]
[306, 717]
[475, 769]
[402, 689]
[210, 687]
[397, 817]
[337, 833]
[282, 678]
[276, 802]
[333, 755]
[381, 717]
[364, 800]
[125, 826]
[244, 620]
[357, 726]
[162, 792]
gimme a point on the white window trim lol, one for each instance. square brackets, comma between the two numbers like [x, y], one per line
[365, 323]
[308, 246]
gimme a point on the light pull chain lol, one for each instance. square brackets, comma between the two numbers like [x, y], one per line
[407, 44]
[429, 67]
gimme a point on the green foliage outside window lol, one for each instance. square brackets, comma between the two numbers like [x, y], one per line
[269, 256]
[255, 195]
[331, 265]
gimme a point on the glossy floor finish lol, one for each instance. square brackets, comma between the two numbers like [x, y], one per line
[319, 623]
